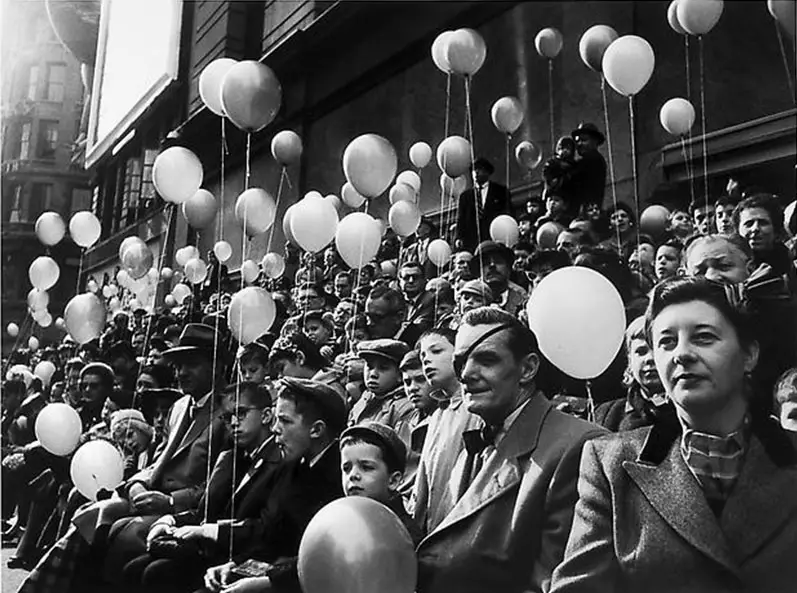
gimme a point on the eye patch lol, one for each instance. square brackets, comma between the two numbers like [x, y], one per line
[461, 359]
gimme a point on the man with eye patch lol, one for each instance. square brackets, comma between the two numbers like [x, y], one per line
[515, 480]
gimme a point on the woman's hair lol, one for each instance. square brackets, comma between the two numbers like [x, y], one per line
[765, 201]
[678, 290]
[625, 208]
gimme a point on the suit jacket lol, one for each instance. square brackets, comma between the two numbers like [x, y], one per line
[498, 202]
[181, 464]
[589, 180]
[642, 522]
[509, 529]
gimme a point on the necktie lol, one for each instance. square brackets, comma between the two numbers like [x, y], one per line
[479, 204]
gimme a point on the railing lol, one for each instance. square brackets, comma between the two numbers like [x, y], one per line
[25, 165]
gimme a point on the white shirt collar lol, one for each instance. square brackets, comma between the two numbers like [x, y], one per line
[203, 400]
[315, 459]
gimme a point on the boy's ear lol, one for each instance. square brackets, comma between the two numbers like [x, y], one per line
[394, 480]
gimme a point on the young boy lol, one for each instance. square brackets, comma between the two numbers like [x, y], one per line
[253, 362]
[372, 463]
[723, 216]
[668, 259]
[785, 408]
[680, 225]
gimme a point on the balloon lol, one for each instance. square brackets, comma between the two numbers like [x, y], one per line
[784, 11]
[358, 239]
[38, 315]
[548, 233]
[439, 252]
[44, 371]
[44, 272]
[122, 278]
[255, 210]
[628, 64]
[169, 301]
[21, 372]
[134, 305]
[351, 197]
[454, 156]
[38, 299]
[286, 225]
[579, 319]
[177, 174]
[12, 329]
[549, 42]
[58, 429]
[167, 273]
[196, 271]
[106, 291]
[677, 116]
[223, 251]
[507, 114]
[504, 229]
[46, 320]
[465, 52]
[84, 317]
[251, 95]
[137, 259]
[50, 228]
[251, 314]
[334, 200]
[210, 83]
[113, 305]
[528, 155]
[420, 154]
[91, 286]
[654, 220]
[401, 192]
[59, 323]
[313, 223]
[286, 147]
[33, 343]
[672, 18]
[440, 50]
[273, 265]
[200, 209]
[404, 218]
[113, 290]
[698, 17]
[370, 163]
[180, 292]
[249, 271]
[594, 43]
[313, 194]
[186, 254]
[453, 187]
[84, 228]
[382, 227]
[97, 465]
[411, 178]
[356, 545]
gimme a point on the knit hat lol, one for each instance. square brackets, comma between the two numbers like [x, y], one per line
[130, 418]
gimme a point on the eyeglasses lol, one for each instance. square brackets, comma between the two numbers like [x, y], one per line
[239, 414]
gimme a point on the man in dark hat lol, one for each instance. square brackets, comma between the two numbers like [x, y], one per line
[589, 177]
[479, 205]
[492, 263]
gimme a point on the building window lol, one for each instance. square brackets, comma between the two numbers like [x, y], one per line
[131, 193]
[16, 204]
[148, 193]
[81, 199]
[24, 142]
[48, 139]
[40, 200]
[56, 77]
[33, 83]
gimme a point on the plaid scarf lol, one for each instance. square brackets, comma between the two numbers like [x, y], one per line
[716, 462]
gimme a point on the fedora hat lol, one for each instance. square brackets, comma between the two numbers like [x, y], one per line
[590, 129]
[196, 338]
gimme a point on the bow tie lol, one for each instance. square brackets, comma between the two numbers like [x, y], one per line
[478, 440]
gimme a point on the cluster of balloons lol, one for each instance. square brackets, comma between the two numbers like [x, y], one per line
[694, 17]
[459, 52]
[38, 302]
[84, 228]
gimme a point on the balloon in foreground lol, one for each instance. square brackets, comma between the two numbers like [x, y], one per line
[177, 174]
[196, 271]
[548, 233]
[313, 223]
[698, 17]
[594, 43]
[273, 265]
[58, 429]
[507, 114]
[439, 252]
[251, 95]
[255, 210]
[223, 250]
[356, 545]
[579, 319]
[654, 220]
[528, 155]
[44, 371]
[97, 465]
[358, 239]
[465, 52]
[50, 228]
[454, 156]
[44, 272]
[549, 42]
[210, 83]
[370, 164]
[677, 116]
[404, 218]
[420, 154]
[12, 329]
[286, 148]
[200, 209]
[628, 64]
[440, 53]
[33, 343]
[84, 317]
[504, 229]
[251, 314]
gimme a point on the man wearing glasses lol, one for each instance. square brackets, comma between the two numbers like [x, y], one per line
[420, 302]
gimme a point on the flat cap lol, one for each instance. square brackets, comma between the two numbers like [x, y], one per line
[332, 405]
[392, 446]
[98, 368]
[479, 288]
[385, 347]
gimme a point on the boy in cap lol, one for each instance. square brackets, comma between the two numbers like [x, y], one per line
[372, 462]
[384, 400]
[474, 294]
[253, 362]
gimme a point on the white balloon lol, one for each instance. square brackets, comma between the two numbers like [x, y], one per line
[166, 272]
[96, 465]
[351, 197]
[45, 321]
[85, 228]
[186, 254]
[334, 200]
[196, 271]
[180, 292]
[358, 239]
[286, 147]
[313, 223]
[440, 50]
[454, 156]
[439, 252]
[370, 163]
[504, 229]
[44, 371]
[273, 265]
[255, 210]
[411, 178]
[251, 314]
[249, 271]
[177, 174]
[401, 192]
[223, 251]
[677, 116]
[210, 83]
[50, 228]
[44, 272]
[420, 154]
[38, 299]
[12, 329]
[628, 64]
[58, 428]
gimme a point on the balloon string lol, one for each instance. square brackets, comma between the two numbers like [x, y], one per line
[703, 118]
[26, 324]
[508, 140]
[590, 403]
[633, 161]
[80, 269]
[611, 151]
[792, 95]
[246, 206]
[688, 169]
[221, 178]
[283, 176]
[444, 213]
[550, 104]
[690, 172]
[234, 466]
[476, 195]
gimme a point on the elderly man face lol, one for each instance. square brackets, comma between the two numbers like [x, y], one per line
[411, 281]
[383, 321]
[495, 270]
[93, 389]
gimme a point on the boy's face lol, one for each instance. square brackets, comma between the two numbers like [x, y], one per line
[555, 205]
[417, 389]
[437, 358]
[704, 219]
[253, 370]
[524, 226]
[342, 287]
[564, 150]
[680, 223]
[620, 220]
[318, 333]
[642, 367]
[343, 312]
[244, 420]
[380, 374]
[365, 473]
[108, 408]
[292, 433]
[723, 218]
[667, 261]
[469, 301]
[645, 254]
[533, 208]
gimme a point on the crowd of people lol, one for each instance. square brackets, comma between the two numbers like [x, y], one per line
[425, 389]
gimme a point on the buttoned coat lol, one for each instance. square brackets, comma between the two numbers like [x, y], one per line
[473, 229]
[509, 529]
[642, 522]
